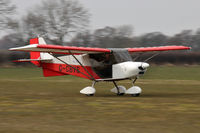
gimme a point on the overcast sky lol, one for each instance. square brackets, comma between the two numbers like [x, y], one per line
[167, 16]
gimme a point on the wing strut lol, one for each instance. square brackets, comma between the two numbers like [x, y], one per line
[137, 56]
[91, 78]
[82, 66]
[152, 56]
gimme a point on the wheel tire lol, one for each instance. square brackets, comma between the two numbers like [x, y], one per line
[135, 95]
[89, 95]
[120, 94]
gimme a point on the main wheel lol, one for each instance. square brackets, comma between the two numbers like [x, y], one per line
[89, 95]
[120, 94]
[135, 95]
[88, 91]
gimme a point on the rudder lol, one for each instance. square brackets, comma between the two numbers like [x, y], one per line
[35, 55]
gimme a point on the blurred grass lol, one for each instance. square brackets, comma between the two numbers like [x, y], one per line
[29, 103]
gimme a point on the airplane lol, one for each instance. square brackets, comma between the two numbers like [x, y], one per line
[95, 64]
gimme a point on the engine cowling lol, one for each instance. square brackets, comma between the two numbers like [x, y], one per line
[129, 69]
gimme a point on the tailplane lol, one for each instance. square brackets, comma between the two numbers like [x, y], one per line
[42, 59]
[37, 57]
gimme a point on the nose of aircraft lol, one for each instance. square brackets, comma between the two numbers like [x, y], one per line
[145, 65]
[129, 69]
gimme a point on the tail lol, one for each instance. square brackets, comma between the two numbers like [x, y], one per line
[36, 57]
[41, 59]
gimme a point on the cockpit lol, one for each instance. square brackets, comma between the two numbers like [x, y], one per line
[102, 63]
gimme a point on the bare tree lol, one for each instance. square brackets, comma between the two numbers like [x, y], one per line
[124, 31]
[152, 39]
[84, 39]
[120, 36]
[58, 19]
[6, 12]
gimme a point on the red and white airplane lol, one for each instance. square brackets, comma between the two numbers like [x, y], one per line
[95, 64]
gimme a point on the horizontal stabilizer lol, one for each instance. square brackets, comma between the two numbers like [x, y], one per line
[25, 48]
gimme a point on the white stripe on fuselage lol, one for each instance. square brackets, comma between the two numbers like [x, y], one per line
[69, 59]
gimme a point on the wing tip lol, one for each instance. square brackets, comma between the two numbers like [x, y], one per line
[189, 48]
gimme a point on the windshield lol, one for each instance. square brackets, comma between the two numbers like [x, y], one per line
[121, 55]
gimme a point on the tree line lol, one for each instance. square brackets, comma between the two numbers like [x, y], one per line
[66, 22]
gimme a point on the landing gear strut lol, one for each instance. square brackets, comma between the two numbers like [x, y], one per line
[118, 93]
[133, 81]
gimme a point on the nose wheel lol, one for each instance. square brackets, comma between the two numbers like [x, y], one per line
[134, 91]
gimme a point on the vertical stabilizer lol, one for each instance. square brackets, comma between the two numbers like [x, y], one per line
[41, 41]
[35, 55]
[44, 55]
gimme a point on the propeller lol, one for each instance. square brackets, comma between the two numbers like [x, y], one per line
[143, 66]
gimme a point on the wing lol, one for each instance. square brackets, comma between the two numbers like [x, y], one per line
[162, 48]
[85, 50]
[60, 49]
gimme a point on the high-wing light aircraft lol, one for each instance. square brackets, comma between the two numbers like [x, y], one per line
[95, 64]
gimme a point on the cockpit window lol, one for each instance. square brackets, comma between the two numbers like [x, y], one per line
[122, 55]
[102, 63]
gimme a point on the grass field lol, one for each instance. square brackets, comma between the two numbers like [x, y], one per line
[170, 103]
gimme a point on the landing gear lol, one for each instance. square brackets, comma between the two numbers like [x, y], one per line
[135, 95]
[120, 94]
[89, 95]
[134, 91]
[119, 90]
[90, 90]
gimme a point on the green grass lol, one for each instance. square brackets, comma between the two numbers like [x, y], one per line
[29, 103]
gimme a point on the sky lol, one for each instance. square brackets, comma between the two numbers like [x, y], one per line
[167, 16]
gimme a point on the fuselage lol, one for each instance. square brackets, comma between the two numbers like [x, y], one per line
[104, 66]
